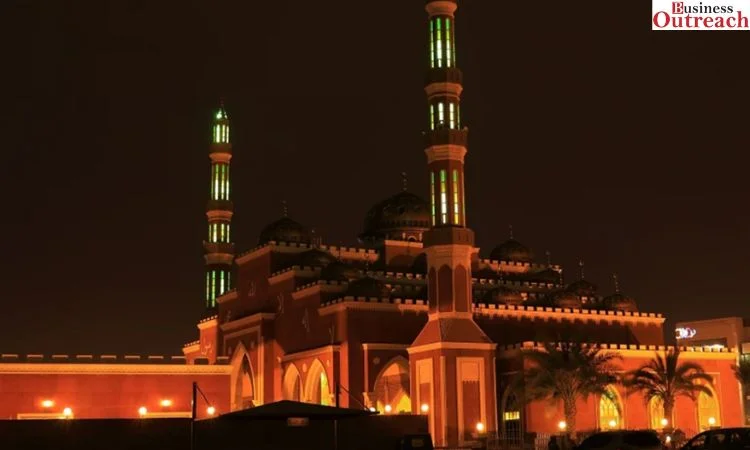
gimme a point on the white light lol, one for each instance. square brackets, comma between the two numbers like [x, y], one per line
[612, 423]
[668, 439]
[712, 421]
[685, 333]
[425, 407]
[388, 408]
[142, 411]
[480, 427]
[48, 403]
[211, 410]
[372, 409]
[166, 403]
[67, 412]
[562, 425]
[664, 422]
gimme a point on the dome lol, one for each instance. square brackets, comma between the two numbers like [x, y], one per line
[368, 287]
[620, 302]
[339, 271]
[503, 295]
[566, 299]
[285, 230]
[315, 258]
[548, 275]
[583, 288]
[404, 216]
[511, 250]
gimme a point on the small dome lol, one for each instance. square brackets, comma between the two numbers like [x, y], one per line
[315, 258]
[548, 275]
[404, 216]
[566, 299]
[512, 250]
[503, 295]
[420, 264]
[368, 287]
[620, 302]
[339, 271]
[285, 230]
[582, 288]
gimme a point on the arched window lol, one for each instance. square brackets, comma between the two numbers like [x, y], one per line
[656, 413]
[708, 410]
[317, 387]
[243, 393]
[610, 410]
[392, 387]
[292, 386]
[512, 426]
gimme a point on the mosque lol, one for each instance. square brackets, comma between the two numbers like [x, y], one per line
[414, 319]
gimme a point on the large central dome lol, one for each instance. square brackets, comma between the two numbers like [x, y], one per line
[404, 216]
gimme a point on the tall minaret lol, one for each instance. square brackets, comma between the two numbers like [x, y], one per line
[452, 361]
[219, 246]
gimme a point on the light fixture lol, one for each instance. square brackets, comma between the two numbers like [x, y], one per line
[372, 409]
[425, 407]
[67, 412]
[480, 427]
[664, 422]
[142, 411]
[211, 410]
[668, 439]
[388, 408]
[612, 423]
[712, 421]
[166, 403]
[48, 403]
[562, 425]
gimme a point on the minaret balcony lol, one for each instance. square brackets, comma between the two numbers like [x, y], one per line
[219, 247]
[444, 75]
[220, 205]
[221, 147]
[446, 136]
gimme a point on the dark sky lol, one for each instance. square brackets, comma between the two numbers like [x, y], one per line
[594, 136]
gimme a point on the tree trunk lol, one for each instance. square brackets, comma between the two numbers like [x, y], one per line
[569, 409]
[668, 412]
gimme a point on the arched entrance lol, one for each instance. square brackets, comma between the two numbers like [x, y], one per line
[610, 410]
[511, 427]
[392, 387]
[317, 386]
[709, 415]
[292, 386]
[656, 413]
[243, 380]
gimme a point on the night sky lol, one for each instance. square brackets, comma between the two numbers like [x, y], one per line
[589, 133]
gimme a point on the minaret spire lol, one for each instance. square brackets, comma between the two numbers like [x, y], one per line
[219, 248]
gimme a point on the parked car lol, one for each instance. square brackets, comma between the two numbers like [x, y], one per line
[720, 439]
[622, 440]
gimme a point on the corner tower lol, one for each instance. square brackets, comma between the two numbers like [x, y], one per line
[452, 361]
[219, 248]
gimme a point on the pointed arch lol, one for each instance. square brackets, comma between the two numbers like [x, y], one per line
[242, 379]
[511, 406]
[317, 385]
[392, 387]
[655, 413]
[292, 384]
[611, 415]
[709, 413]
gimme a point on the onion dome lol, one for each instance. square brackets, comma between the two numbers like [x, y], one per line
[339, 271]
[404, 216]
[503, 295]
[583, 288]
[368, 287]
[285, 230]
[420, 264]
[315, 258]
[619, 301]
[566, 299]
[548, 275]
[512, 250]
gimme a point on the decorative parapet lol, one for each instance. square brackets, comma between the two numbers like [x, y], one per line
[355, 253]
[13, 358]
[208, 319]
[632, 348]
[374, 303]
[496, 262]
[514, 283]
[309, 270]
[334, 283]
[483, 309]
[190, 344]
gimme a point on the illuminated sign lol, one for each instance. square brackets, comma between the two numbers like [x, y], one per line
[685, 333]
[297, 421]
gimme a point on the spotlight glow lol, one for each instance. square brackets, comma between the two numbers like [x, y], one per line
[712, 421]
[664, 422]
[425, 407]
[612, 423]
[211, 410]
[142, 411]
[480, 427]
[67, 412]
[48, 403]
[562, 425]
[388, 408]
[166, 403]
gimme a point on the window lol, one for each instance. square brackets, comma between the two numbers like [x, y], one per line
[655, 413]
[443, 198]
[609, 410]
[448, 49]
[441, 115]
[221, 282]
[452, 116]
[439, 43]
[432, 195]
[456, 217]
[708, 410]
[208, 286]
[432, 44]
[432, 117]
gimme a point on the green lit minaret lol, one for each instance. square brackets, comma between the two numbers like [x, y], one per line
[219, 246]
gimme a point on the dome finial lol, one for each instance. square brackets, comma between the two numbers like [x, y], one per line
[580, 269]
[285, 209]
[404, 181]
[510, 229]
[617, 283]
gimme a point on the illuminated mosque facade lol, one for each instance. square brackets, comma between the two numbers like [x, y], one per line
[414, 319]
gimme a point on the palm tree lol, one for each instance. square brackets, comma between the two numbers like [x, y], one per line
[567, 371]
[742, 373]
[666, 378]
